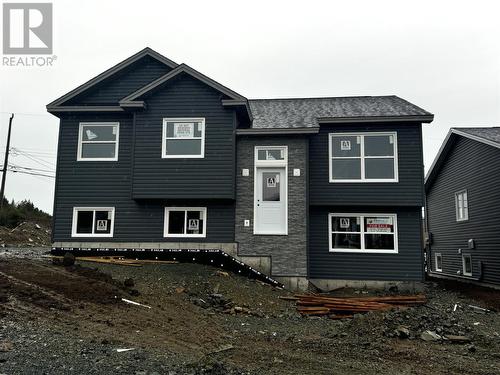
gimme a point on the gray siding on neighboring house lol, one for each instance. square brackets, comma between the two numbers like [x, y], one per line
[288, 253]
[473, 166]
[122, 83]
[406, 265]
[108, 184]
[407, 192]
[208, 177]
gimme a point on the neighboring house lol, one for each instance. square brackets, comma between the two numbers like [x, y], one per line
[154, 156]
[463, 203]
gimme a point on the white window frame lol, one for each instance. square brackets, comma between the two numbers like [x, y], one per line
[362, 157]
[186, 235]
[463, 264]
[94, 209]
[201, 120]
[465, 205]
[362, 232]
[436, 256]
[79, 156]
[270, 164]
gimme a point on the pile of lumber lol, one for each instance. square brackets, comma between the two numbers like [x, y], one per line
[345, 307]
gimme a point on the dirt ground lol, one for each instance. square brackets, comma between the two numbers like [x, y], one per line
[59, 320]
[26, 234]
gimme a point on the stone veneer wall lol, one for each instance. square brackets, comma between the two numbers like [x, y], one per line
[288, 253]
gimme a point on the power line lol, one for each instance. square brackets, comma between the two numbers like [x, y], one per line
[33, 174]
[31, 169]
[37, 160]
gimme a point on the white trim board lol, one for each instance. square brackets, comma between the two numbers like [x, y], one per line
[80, 141]
[94, 209]
[362, 233]
[262, 164]
[362, 158]
[182, 119]
[174, 235]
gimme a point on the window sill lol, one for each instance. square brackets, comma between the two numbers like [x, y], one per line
[183, 156]
[92, 235]
[362, 181]
[185, 236]
[97, 159]
[363, 251]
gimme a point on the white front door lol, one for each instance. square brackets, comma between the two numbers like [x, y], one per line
[270, 201]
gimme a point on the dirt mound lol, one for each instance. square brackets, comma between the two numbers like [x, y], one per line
[27, 233]
[55, 287]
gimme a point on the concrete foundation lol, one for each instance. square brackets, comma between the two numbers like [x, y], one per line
[327, 285]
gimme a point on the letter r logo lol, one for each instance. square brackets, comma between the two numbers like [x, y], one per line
[27, 28]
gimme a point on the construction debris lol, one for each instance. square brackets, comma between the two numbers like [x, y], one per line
[124, 350]
[121, 261]
[346, 307]
[430, 336]
[135, 303]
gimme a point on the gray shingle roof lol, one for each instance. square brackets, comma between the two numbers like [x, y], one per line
[305, 112]
[490, 134]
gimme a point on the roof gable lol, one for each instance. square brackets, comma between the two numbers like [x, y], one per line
[489, 136]
[87, 87]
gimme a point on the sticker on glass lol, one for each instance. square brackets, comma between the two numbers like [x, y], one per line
[184, 130]
[114, 130]
[90, 134]
[194, 224]
[379, 224]
[345, 145]
[391, 139]
[344, 222]
[102, 225]
[271, 182]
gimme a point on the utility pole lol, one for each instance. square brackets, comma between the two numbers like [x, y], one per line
[6, 162]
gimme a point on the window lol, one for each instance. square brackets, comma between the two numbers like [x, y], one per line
[271, 154]
[461, 206]
[368, 157]
[364, 233]
[467, 264]
[185, 222]
[98, 141]
[93, 221]
[438, 265]
[183, 138]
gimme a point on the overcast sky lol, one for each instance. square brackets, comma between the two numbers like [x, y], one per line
[441, 55]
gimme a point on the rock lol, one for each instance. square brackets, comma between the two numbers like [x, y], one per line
[430, 336]
[471, 348]
[180, 290]
[457, 339]
[68, 260]
[38, 226]
[402, 332]
[222, 273]
[129, 282]
[6, 346]
[30, 240]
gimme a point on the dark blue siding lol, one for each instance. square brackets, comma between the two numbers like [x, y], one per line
[407, 192]
[475, 167]
[109, 184]
[122, 83]
[406, 265]
[210, 177]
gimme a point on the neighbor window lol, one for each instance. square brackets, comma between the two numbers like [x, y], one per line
[467, 264]
[98, 141]
[363, 157]
[438, 262]
[185, 222]
[93, 222]
[364, 233]
[461, 206]
[183, 138]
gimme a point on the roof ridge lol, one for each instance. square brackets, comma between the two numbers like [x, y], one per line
[328, 97]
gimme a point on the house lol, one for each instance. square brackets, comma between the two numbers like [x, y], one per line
[156, 157]
[463, 201]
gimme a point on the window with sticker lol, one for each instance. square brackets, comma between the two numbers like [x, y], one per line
[93, 222]
[98, 141]
[185, 222]
[183, 138]
[363, 157]
[375, 233]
